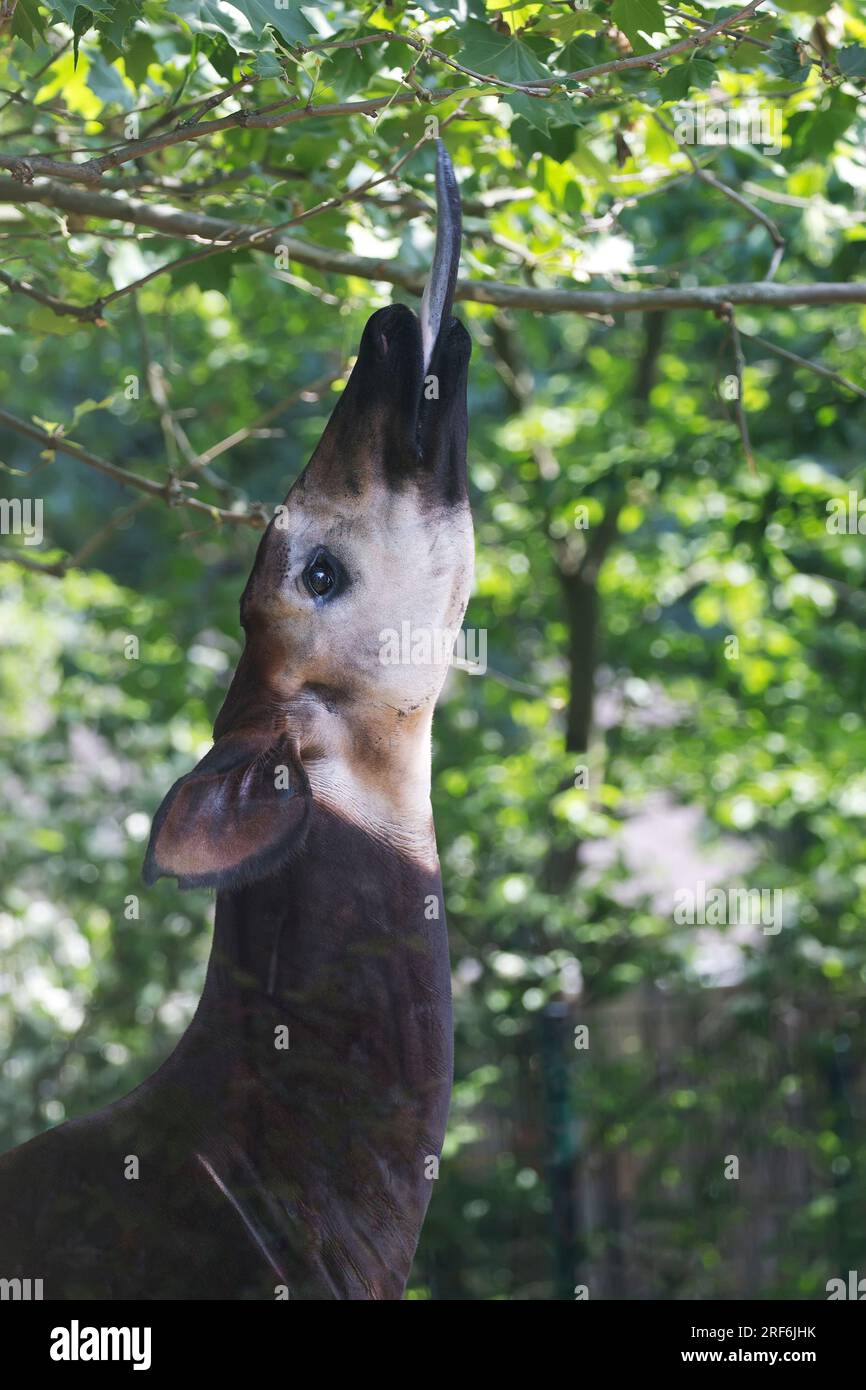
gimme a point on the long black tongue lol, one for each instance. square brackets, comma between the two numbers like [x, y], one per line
[439, 290]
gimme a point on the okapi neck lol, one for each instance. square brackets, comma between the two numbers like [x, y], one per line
[322, 1051]
[347, 910]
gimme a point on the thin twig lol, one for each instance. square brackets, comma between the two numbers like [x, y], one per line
[737, 198]
[34, 77]
[355, 194]
[739, 34]
[174, 434]
[98, 539]
[798, 361]
[176, 439]
[652, 60]
[171, 492]
[306, 394]
[218, 98]
[85, 552]
[787, 200]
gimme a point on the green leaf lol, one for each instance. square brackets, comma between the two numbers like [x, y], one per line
[635, 17]
[852, 60]
[790, 60]
[249, 29]
[748, 55]
[814, 133]
[564, 27]
[117, 26]
[268, 65]
[557, 143]
[212, 273]
[584, 52]
[221, 54]
[259, 14]
[454, 8]
[138, 54]
[703, 72]
[43, 320]
[86, 408]
[205, 17]
[499, 55]
[249, 144]
[66, 9]
[676, 83]
[347, 70]
[106, 83]
[82, 22]
[27, 23]
[544, 112]
[814, 7]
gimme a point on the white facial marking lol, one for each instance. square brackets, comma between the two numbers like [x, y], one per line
[363, 723]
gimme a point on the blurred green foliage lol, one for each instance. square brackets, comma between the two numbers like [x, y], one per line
[740, 762]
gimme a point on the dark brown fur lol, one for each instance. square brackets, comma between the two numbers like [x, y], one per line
[324, 1147]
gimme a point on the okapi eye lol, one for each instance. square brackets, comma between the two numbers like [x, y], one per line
[320, 577]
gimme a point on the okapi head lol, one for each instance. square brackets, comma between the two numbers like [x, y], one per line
[375, 534]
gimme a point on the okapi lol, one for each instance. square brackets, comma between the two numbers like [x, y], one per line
[286, 1149]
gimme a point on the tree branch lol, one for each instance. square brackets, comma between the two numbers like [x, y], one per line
[537, 88]
[170, 492]
[87, 312]
[198, 227]
[7, 14]
[651, 60]
[25, 168]
[730, 33]
[58, 569]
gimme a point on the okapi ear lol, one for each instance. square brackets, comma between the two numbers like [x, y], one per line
[239, 815]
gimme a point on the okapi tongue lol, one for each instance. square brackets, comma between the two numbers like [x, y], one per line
[439, 289]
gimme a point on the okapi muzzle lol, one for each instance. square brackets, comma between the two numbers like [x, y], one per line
[399, 421]
[289, 1146]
